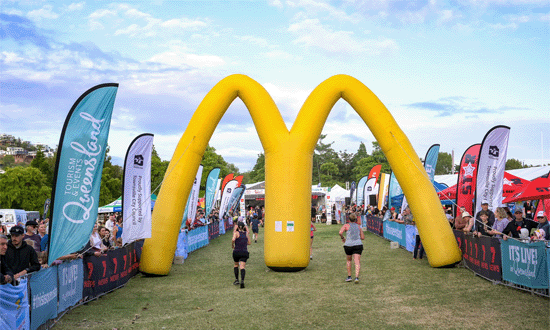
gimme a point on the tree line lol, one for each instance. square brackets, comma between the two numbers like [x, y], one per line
[25, 186]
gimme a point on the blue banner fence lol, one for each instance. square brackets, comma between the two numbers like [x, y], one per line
[43, 296]
[522, 265]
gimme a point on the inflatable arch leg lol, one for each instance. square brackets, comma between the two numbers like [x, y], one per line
[288, 163]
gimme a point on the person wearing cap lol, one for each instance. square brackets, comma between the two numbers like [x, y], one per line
[31, 234]
[513, 228]
[239, 244]
[543, 224]
[485, 207]
[21, 258]
[6, 275]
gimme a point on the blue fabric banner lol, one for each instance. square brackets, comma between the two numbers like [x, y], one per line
[71, 282]
[359, 192]
[43, 286]
[395, 232]
[363, 221]
[525, 263]
[410, 237]
[222, 227]
[210, 190]
[393, 191]
[78, 170]
[197, 238]
[14, 306]
[430, 162]
[181, 247]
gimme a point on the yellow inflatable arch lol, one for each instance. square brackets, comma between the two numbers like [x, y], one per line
[288, 165]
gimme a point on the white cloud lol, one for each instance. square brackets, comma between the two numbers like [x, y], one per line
[43, 13]
[499, 26]
[447, 15]
[181, 57]
[289, 99]
[313, 8]
[276, 3]
[311, 33]
[545, 18]
[254, 40]
[75, 6]
[184, 23]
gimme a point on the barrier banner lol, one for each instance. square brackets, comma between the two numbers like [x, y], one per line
[181, 247]
[109, 271]
[227, 224]
[43, 286]
[197, 238]
[525, 263]
[395, 232]
[222, 227]
[375, 225]
[363, 221]
[410, 237]
[481, 254]
[70, 276]
[213, 230]
[14, 306]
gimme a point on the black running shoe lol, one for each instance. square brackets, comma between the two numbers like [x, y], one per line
[242, 285]
[348, 279]
[236, 282]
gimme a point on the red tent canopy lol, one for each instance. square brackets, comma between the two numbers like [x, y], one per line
[512, 184]
[536, 189]
[447, 193]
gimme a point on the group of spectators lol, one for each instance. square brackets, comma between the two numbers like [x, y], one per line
[26, 250]
[502, 223]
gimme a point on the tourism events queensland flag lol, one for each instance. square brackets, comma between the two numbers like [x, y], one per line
[210, 193]
[136, 196]
[360, 190]
[490, 173]
[78, 169]
[465, 188]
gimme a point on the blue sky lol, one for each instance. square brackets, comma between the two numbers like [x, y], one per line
[448, 71]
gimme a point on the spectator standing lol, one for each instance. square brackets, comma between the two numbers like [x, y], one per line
[22, 258]
[111, 222]
[6, 275]
[513, 228]
[353, 247]
[469, 221]
[485, 207]
[44, 237]
[31, 234]
[543, 225]
[482, 226]
[311, 230]
[501, 222]
[254, 222]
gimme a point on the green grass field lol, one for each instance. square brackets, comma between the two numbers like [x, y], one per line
[395, 292]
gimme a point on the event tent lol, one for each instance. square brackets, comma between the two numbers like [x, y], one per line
[116, 205]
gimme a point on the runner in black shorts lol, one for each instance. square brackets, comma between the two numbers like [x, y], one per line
[353, 245]
[240, 252]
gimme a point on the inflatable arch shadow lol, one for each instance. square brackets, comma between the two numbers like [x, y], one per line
[288, 164]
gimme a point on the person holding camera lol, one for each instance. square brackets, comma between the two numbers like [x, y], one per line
[239, 244]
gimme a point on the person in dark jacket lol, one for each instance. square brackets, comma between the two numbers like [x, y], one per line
[6, 275]
[21, 258]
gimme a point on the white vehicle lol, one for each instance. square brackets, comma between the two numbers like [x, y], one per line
[12, 217]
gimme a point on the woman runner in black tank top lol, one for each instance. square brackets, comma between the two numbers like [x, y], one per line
[239, 243]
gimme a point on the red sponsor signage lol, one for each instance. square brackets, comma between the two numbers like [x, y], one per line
[465, 189]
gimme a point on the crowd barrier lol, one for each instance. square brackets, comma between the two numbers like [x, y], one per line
[39, 298]
[523, 265]
[191, 240]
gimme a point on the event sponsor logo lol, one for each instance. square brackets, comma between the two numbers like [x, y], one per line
[522, 259]
[494, 151]
[43, 299]
[92, 150]
[138, 161]
[394, 232]
[469, 170]
[194, 239]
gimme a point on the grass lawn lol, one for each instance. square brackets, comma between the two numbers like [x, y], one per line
[395, 292]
